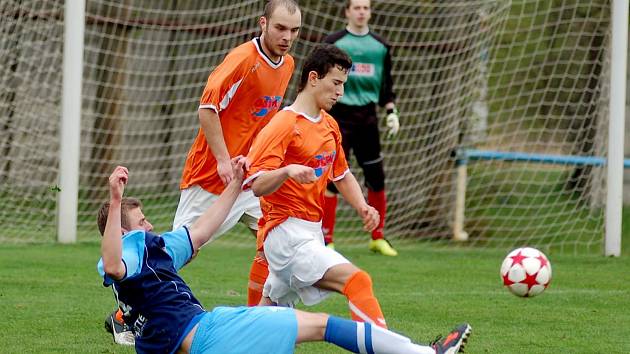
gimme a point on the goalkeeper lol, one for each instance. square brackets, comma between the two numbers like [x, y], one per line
[369, 83]
[167, 318]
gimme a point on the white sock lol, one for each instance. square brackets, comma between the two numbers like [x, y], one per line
[385, 341]
[360, 337]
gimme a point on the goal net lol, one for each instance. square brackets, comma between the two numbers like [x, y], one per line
[486, 76]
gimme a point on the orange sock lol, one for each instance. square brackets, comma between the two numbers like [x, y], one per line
[119, 316]
[257, 275]
[363, 304]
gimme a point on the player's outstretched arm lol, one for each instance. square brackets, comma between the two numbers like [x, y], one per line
[269, 181]
[111, 244]
[207, 224]
[351, 192]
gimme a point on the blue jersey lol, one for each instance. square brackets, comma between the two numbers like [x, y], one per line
[156, 301]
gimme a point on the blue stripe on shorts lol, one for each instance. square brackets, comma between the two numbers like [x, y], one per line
[246, 330]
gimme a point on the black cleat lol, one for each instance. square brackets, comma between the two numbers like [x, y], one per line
[454, 341]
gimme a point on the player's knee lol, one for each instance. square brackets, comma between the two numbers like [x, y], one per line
[374, 176]
[362, 277]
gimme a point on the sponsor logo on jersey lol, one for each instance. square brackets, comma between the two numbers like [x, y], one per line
[138, 325]
[322, 161]
[362, 69]
[265, 104]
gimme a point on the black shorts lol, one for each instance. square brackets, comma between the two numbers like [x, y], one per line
[359, 131]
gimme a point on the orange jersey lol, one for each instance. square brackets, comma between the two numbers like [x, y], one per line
[246, 90]
[294, 138]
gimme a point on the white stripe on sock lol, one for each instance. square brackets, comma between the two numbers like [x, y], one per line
[361, 337]
[359, 313]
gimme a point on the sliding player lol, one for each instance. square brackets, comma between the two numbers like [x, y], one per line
[167, 318]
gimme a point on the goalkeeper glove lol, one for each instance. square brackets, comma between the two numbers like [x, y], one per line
[393, 123]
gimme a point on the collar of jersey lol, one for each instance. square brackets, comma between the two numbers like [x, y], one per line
[362, 34]
[316, 119]
[265, 57]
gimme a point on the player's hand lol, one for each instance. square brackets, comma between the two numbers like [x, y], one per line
[393, 124]
[370, 217]
[224, 169]
[301, 174]
[238, 168]
[117, 181]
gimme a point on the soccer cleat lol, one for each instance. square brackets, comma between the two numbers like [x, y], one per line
[122, 333]
[454, 342]
[331, 245]
[383, 247]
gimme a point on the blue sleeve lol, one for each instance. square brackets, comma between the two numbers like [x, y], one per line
[132, 256]
[179, 246]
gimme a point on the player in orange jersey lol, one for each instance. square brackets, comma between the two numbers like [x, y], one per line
[292, 160]
[240, 97]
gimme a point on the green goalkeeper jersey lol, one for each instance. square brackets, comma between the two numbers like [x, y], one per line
[369, 80]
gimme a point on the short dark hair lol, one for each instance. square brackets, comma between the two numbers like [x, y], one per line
[272, 5]
[321, 59]
[126, 205]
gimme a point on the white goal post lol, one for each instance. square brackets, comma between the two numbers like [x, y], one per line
[618, 81]
[70, 129]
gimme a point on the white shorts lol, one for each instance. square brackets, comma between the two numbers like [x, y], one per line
[297, 259]
[195, 200]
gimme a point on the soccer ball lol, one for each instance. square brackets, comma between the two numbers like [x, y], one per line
[526, 272]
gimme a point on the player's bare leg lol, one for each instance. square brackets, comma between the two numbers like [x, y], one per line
[266, 301]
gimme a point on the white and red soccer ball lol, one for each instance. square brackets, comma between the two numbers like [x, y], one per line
[526, 272]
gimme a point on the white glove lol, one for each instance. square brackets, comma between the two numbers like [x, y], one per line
[393, 124]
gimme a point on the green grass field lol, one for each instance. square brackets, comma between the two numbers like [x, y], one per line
[54, 302]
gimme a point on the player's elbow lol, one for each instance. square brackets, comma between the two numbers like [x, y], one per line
[257, 191]
[257, 188]
[114, 271]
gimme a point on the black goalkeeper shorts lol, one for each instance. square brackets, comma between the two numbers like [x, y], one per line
[359, 130]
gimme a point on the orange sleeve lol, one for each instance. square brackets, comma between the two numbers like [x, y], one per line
[269, 147]
[225, 79]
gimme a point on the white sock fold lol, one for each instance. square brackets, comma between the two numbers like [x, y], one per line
[388, 342]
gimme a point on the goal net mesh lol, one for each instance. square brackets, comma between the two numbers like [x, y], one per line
[521, 76]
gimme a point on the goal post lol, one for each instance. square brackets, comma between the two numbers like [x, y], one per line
[70, 127]
[618, 81]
